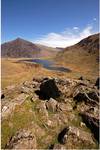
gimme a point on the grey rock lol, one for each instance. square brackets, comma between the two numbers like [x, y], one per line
[23, 139]
[12, 104]
[65, 107]
[26, 90]
[41, 108]
[51, 105]
[80, 135]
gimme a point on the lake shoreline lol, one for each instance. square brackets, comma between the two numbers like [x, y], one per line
[48, 64]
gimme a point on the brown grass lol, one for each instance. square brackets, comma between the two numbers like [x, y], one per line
[14, 72]
[80, 62]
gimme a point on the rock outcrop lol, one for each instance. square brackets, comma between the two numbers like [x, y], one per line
[23, 139]
[50, 113]
[52, 105]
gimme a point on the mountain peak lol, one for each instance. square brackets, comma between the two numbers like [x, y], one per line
[23, 48]
[19, 39]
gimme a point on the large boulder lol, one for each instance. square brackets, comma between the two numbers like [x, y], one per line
[9, 108]
[48, 89]
[79, 139]
[73, 137]
[92, 123]
[41, 108]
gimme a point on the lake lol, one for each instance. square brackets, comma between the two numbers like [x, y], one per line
[49, 64]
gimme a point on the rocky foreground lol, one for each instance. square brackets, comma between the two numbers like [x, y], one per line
[51, 113]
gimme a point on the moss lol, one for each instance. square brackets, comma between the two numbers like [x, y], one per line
[27, 104]
[20, 119]
[45, 142]
[6, 133]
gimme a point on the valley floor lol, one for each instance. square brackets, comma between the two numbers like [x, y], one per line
[14, 72]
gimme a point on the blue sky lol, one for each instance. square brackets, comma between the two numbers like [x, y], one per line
[49, 22]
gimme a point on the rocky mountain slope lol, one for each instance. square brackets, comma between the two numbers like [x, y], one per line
[51, 113]
[82, 57]
[21, 48]
[89, 44]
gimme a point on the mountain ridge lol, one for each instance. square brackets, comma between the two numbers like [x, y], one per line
[89, 44]
[22, 48]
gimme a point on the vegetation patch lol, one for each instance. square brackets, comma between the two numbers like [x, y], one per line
[20, 119]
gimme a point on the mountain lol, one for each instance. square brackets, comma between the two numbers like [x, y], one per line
[21, 48]
[83, 56]
[91, 44]
[60, 48]
[47, 51]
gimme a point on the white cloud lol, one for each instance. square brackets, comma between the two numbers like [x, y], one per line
[94, 19]
[86, 32]
[76, 28]
[66, 38]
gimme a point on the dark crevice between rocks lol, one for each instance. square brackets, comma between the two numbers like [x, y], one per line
[75, 107]
[89, 98]
[93, 124]
[2, 96]
[51, 146]
[61, 136]
[94, 96]
[80, 97]
[97, 84]
[9, 146]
